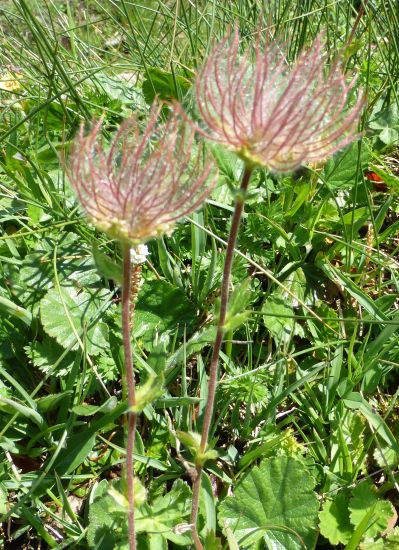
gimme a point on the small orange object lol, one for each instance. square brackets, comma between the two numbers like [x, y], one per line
[379, 184]
[372, 176]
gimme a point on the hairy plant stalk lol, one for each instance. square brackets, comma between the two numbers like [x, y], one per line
[131, 388]
[213, 369]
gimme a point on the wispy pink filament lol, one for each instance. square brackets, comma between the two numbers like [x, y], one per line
[144, 182]
[271, 114]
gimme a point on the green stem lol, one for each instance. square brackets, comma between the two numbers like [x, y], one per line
[131, 390]
[213, 369]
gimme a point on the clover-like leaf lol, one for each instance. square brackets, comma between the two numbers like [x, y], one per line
[274, 502]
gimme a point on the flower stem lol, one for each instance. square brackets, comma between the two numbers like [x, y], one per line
[131, 389]
[213, 369]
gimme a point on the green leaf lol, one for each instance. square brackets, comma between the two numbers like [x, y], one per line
[356, 401]
[161, 518]
[107, 268]
[345, 282]
[167, 512]
[173, 402]
[392, 539]
[49, 402]
[341, 170]
[161, 308]
[334, 519]
[192, 440]
[239, 299]
[212, 542]
[365, 501]
[74, 263]
[387, 120]
[78, 445]
[7, 307]
[70, 315]
[13, 406]
[274, 502]
[107, 525]
[50, 357]
[164, 85]
[89, 410]
[278, 317]
[3, 500]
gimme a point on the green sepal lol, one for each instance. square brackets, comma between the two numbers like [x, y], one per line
[192, 440]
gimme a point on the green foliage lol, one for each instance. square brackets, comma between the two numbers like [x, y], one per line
[274, 502]
[334, 519]
[164, 85]
[306, 402]
[156, 522]
[158, 307]
[355, 515]
[71, 316]
[363, 501]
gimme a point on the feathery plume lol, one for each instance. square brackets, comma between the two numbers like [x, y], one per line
[273, 114]
[140, 185]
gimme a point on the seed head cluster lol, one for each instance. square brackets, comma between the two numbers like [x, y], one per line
[271, 114]
[254, 103]
[140, 185]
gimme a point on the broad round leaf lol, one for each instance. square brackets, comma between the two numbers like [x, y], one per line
[274, 502]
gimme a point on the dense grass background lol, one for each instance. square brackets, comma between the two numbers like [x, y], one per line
[310, 371]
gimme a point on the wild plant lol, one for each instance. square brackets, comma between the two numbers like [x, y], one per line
[135, 190]
[271, 115]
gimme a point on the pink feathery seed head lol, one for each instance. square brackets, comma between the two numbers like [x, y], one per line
[273, 114]
[144, 181]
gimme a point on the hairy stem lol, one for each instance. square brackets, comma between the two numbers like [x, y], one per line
[213, 369]
[131, 389]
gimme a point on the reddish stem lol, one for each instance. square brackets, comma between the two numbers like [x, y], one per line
[131, 390]
[213, 369]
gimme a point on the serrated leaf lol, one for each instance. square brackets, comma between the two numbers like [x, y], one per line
[278, 317]
[341, 170]
[385, 456]
[334, 519]
[274, 502]
[50, 357]
[107, 528]
[68, 314]
[239, 299]
[364, 501]
[74, 262]
[161, 308]
[163, 517]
